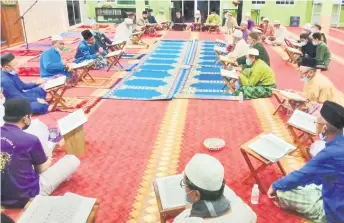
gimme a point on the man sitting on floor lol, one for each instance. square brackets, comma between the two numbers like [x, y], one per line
[323, 54]
[101, 39]
[308, 50]
[230, 23]
[240, 47]
[50, 62]
[256, 81]
[178, 23]
[280, 34]
[250, 22]
[318, 88]
[14, 87]
[161, 18]
[197, 22]
[317, 29]
[245, 31]
[151, 18]
[254, 41]
[208, 197]
[316, 191]
[25, 168]
[268, 29]
[88, 49]
[213, 19]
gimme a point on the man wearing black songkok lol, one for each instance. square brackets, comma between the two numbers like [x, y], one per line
[316, 191]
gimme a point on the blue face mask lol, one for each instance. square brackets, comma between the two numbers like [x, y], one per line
[13, 72]
[188, 199]
[315, 44]
[248, 62]
[305, 79]
[322, 137]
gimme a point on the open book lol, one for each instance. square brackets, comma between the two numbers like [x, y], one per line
[271, 147]
[170, 191]
[82, 64]
[55, 82]
[229, 73]
[303, 121]
[220, 49]
[114, 53]
[69, 208]
[72, 121]
[291, 95]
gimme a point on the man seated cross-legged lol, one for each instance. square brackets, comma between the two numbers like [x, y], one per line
[178, 22]
[316, 191]
[13, 87]
[257, 79]
[208, 198]
[88, 49]
[25, 168]
[51, 63]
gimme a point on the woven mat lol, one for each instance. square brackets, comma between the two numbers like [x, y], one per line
[28, 71]
[100, 82]
[23, 52]
[75, 103]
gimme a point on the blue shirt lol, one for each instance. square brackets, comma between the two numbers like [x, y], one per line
[85, 52]
[13, 86]
[20, 151]
[51, 64]
[327, 169]
[151, 19]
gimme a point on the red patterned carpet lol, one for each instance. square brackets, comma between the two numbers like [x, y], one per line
[120, 138]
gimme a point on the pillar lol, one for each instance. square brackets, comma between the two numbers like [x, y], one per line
[247, 7]
[326, 15]
[140, 7]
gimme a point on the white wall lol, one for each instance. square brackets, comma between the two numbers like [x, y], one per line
[46, 18]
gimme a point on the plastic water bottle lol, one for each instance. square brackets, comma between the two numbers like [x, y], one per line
[241, 97]
[255, 194]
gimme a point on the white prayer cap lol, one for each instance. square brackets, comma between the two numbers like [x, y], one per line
[161, 10]
[253, 52]
[244, 22]
[128, 21]
[257, 31]
[56, 37]
[308, 26]
[198, 12]
[238, 33]
[277, 22]
[265, 19]
[205, 172]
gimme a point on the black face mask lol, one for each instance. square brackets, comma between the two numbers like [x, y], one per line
[27, 126]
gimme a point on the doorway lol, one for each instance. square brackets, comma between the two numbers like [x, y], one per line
[189, 11]
[11, 32]
[73, 8]
[206, 6]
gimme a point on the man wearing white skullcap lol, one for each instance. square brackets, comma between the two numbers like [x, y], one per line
[244, 29]
[208, 195]
[230, 23]
[280, 34]
[124, 31]
[268, 30]
[50, 63]
[307, 28]
[250, 22]
[240, 47]
[257, 80]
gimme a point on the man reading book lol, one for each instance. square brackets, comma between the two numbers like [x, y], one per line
[210, 199]
[316, 191]
[25, 168]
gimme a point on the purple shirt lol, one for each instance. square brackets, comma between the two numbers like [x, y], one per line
[250, 24]
[245, 34]
[20, 152]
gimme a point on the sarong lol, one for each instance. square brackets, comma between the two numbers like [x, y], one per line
[253, 92]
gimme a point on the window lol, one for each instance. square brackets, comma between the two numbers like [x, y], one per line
[130, 2]
[285, 2]
[258, 2]
[73, 9]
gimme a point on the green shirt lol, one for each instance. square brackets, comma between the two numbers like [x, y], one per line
[259, 74]
[213, 19]
[323, 55]
[263, 55]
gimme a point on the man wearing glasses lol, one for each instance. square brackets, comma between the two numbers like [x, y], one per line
[51, 63]
[316, 191]
[207, 196]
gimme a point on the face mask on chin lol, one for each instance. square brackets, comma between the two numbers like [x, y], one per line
[187, 199]
[248, 62]
[26, 125]
[323, 135]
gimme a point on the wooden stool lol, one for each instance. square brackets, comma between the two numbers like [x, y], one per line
[57, 96]
[117, 45]
[198, 26]
[247, 153]
[114, 58]
[85, 67]
[165, 213]
[286, 102]
[293, 54]
[136, 38]
[226, 61]
[229, 77]
[213, 28]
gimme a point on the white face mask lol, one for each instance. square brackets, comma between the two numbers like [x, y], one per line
[58, 50]
[12, 72]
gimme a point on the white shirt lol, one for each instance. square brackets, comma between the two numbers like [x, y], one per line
[316, 147]
[240, 212]
[123, 33]
[281, 34]
[241, 48]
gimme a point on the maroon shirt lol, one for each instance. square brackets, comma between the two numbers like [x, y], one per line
[20, 152]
